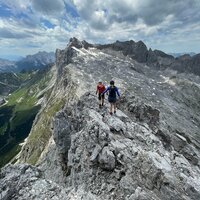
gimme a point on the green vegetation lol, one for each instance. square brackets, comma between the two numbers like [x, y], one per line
[41, 132]
[16, 117]
[6, 157]
[10, 81]
[15, 124]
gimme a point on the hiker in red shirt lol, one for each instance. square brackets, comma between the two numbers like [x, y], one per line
[99, 91]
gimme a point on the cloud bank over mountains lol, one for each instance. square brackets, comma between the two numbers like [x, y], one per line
[27, 26]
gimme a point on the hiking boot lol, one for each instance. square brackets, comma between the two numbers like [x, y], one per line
[99, 105]
[114, 111]
[111, 113]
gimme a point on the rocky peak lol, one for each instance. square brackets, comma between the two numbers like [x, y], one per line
[78, 44]
[184, 57]
[196, 59]
[137, 51]
[75, 42]
[162, 54]
[141, 44]
[187, 63]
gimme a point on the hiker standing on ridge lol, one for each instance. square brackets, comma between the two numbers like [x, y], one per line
[112, 97]
[100, 89]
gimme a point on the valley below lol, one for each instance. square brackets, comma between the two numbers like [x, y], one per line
[19, 109]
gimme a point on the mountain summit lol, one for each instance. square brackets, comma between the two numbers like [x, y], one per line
[148, 150]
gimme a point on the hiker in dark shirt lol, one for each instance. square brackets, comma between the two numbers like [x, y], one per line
[112, 96]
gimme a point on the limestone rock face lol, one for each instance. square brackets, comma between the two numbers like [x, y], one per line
[148, 150]
[136, 50]
[114, 153]
[186, 63]
[27, 182]
[107, 159]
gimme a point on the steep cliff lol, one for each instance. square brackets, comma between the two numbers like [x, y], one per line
[148, 150]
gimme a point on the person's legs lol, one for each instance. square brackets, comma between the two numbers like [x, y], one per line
[102, 99]
[111, 106]
[99, 97]
[114, 105]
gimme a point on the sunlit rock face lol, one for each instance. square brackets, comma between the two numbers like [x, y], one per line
[148, 150]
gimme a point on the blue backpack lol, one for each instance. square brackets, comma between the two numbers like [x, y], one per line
[112, 92]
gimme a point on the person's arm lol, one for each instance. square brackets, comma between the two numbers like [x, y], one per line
[117, 91]
[97, 90]
[108, 88]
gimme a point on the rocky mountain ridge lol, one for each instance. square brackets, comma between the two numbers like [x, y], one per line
[148, 150]
[7, 65]
[30, 62]
[36, 61]
[154, 58]
[181, 54]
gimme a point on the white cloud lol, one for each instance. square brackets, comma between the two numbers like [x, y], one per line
[148, 20]
[160, 24]
[48, 7]
[152, 12]
[16, 6]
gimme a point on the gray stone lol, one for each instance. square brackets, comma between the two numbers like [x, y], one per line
[107, 159]
[95, 153]
[178, 142]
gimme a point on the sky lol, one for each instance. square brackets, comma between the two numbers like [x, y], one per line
[29, 26]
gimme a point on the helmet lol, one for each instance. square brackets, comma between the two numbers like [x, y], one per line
[112, 82]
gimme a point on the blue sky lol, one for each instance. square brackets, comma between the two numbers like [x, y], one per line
[29, 26]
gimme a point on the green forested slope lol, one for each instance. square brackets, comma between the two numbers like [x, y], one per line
[16, 117]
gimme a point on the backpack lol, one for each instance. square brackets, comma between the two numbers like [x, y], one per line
[112, 92]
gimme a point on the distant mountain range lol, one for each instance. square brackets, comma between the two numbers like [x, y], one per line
[181, 54]
[182, 62]
[30, 62]
[6, 65]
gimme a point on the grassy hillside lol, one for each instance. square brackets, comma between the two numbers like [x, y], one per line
[16, 117]
[41, 132]
[10, 81]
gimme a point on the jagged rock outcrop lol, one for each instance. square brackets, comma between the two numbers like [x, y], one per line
[27, 182]
[114, 157]
[157, 59]
[148, 150]
[136, 50]
[187, 63]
